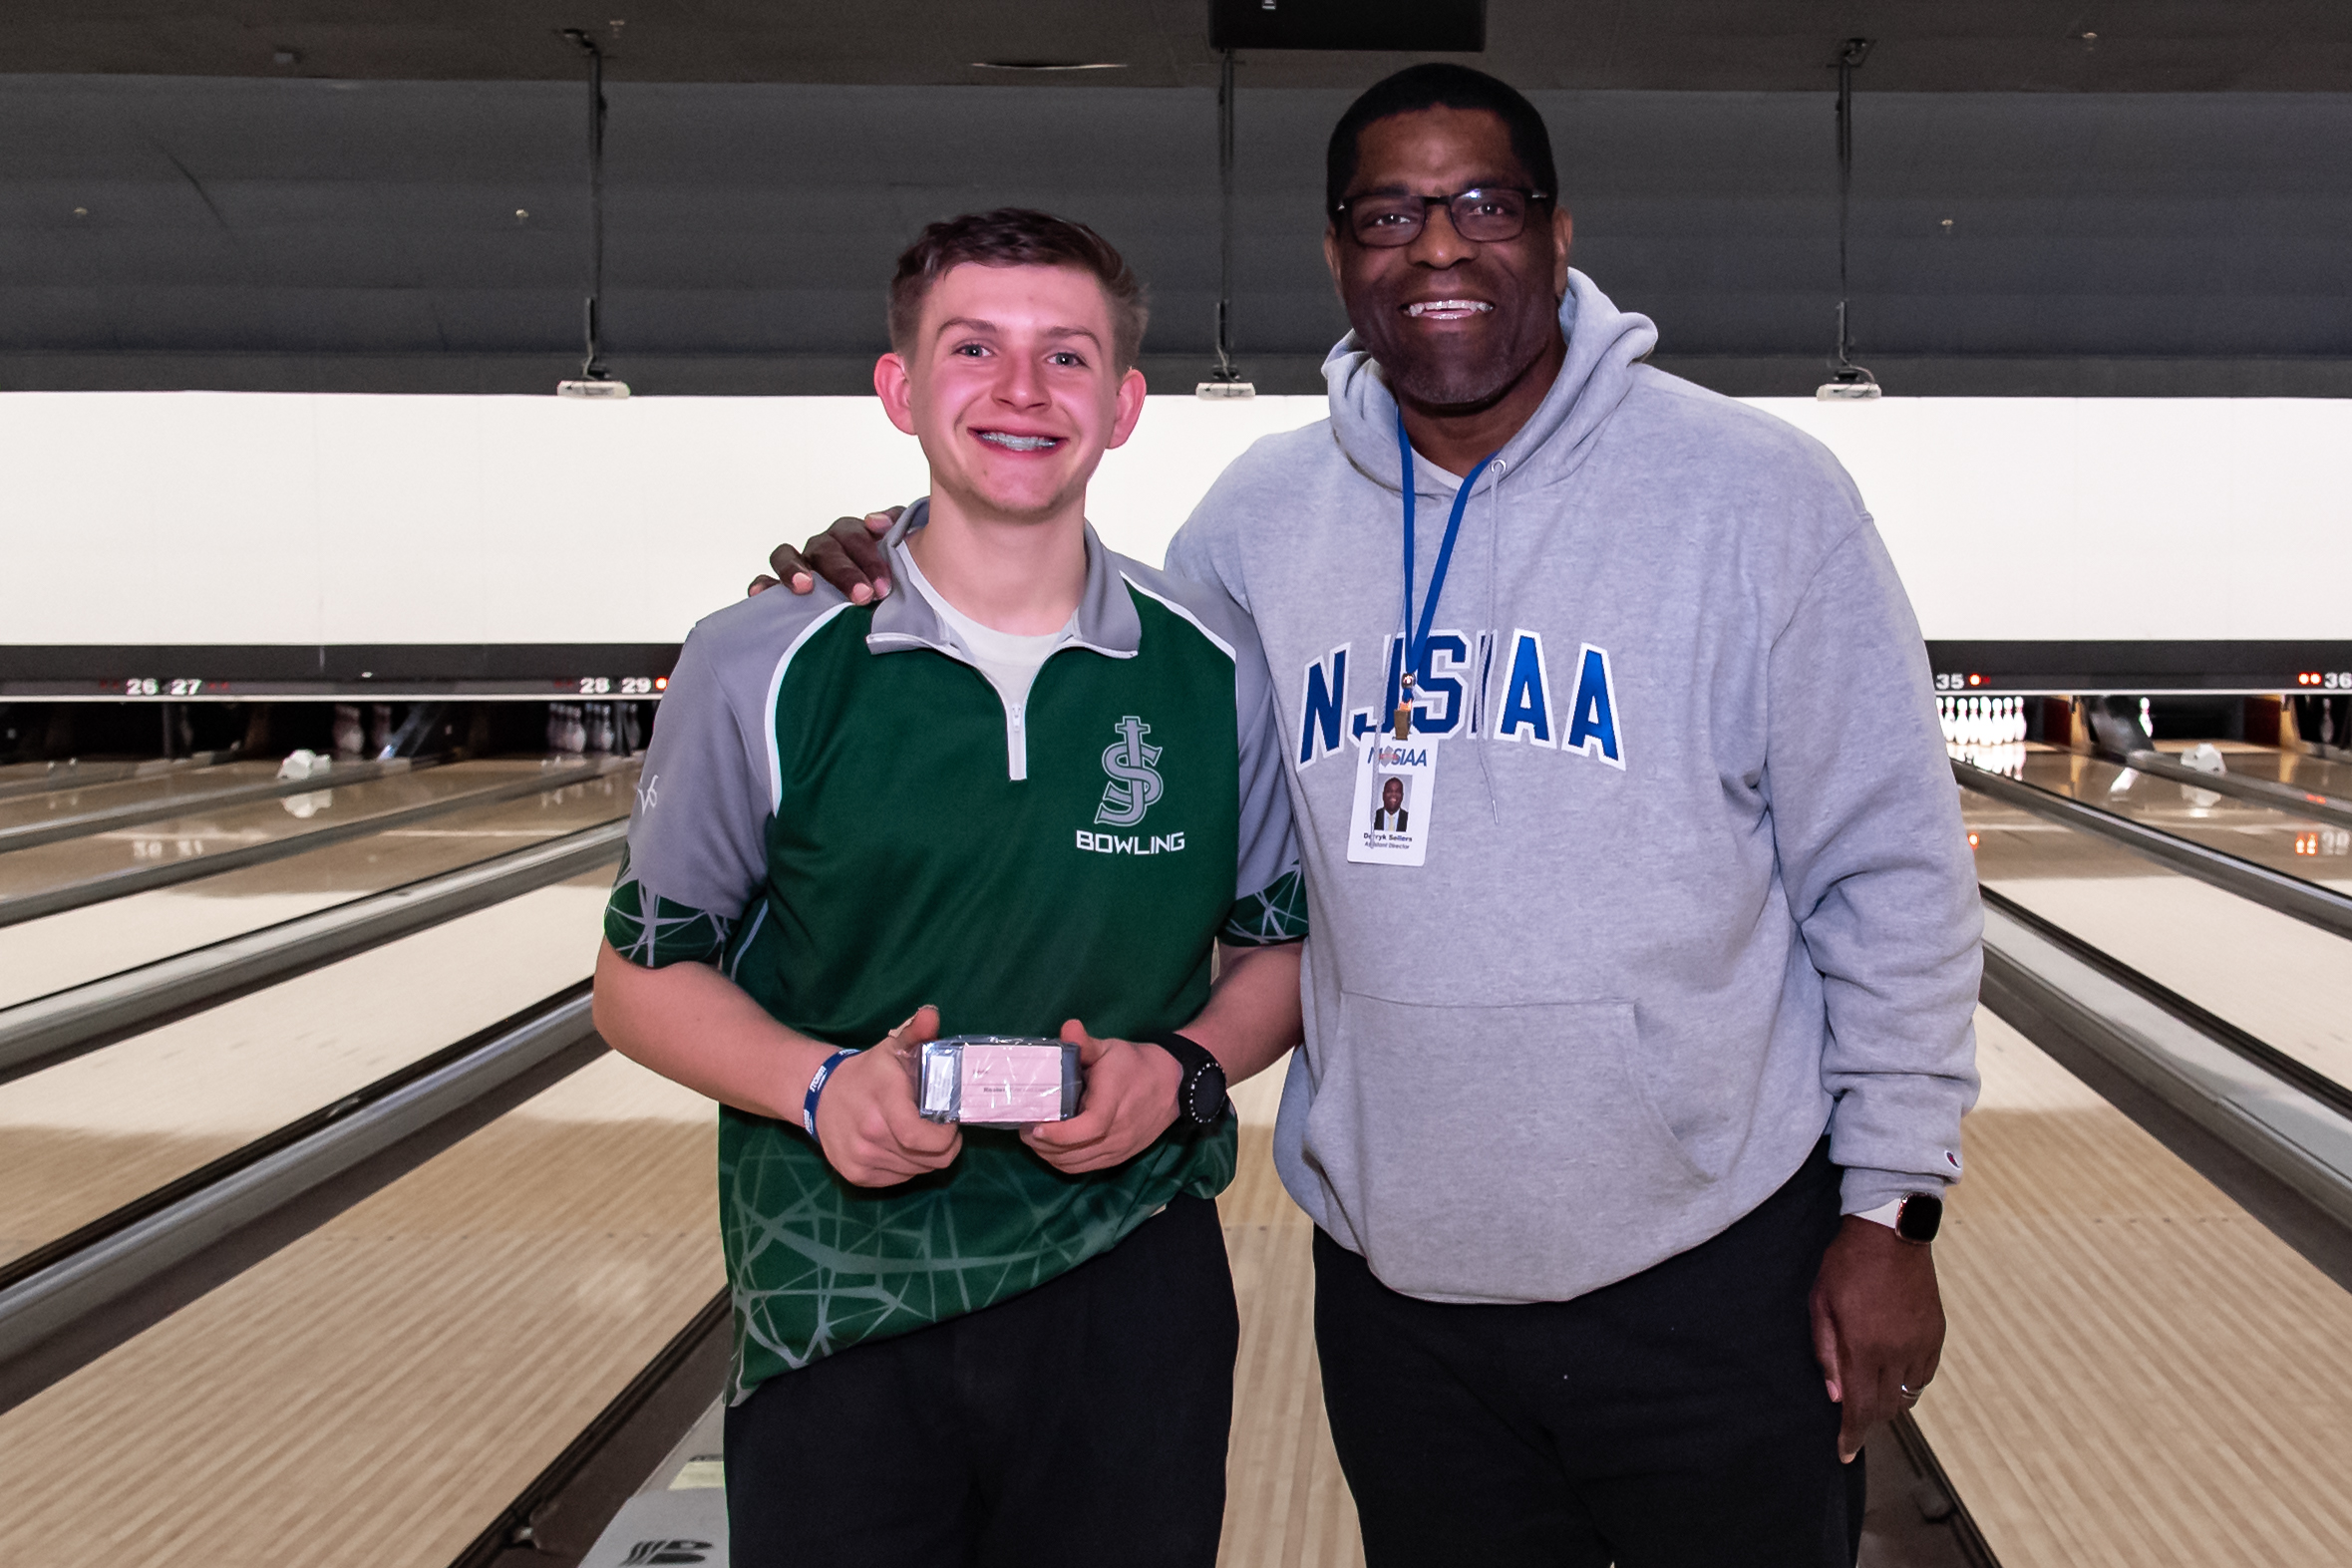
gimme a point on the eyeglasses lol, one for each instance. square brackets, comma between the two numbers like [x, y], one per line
[1482, 216]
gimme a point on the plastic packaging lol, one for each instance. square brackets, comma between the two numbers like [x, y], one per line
[999, 1080]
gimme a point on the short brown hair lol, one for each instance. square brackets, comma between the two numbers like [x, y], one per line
[1017, 238]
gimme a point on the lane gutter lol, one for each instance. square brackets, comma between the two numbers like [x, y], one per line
[2308, 902]
[31, 835]
[88, 775]
[2287, 797]
[556, 1518]
[2089, 1009]
[48, 1294]
[167, 873]
[65, 1024]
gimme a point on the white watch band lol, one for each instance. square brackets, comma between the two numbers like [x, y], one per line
[1885, 1214]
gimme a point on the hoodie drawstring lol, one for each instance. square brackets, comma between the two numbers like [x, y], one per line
[1493, 567]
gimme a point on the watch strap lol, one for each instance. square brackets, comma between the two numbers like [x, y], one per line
[1195, 1061]
[1915, 1216]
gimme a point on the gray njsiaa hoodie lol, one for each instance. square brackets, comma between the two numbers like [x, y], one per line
[1697, 886]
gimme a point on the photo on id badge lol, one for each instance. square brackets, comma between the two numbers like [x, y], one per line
[1394, 780]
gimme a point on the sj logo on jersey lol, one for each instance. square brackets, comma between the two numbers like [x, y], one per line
[1134, 789]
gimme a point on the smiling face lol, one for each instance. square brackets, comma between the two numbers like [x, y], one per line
[1392, 794]
[1012, 386]
[1452, 324]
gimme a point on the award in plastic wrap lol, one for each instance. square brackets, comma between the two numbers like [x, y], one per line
[999, 1080]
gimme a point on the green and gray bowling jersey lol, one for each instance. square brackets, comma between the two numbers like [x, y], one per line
[839, 809]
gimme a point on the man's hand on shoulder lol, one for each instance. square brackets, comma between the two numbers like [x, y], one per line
[849, 555]
[1878, 1325]
[866, 1122]
[1131, 1099]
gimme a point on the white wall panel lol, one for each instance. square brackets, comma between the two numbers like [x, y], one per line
[201, 517]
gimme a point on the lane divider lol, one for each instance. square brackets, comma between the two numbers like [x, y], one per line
[65, 1024]
[82, 824]
[167, 873]
[2308, 902]
[2260, 791]
[2076, 1001]
[50, 1291]
[77, 775]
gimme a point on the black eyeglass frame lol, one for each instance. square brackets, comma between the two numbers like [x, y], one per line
[1339, 213]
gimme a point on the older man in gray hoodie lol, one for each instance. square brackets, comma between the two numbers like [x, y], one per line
[1633, 1073]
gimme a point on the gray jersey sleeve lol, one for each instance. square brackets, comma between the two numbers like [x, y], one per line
[1270, 900]
[697, 854]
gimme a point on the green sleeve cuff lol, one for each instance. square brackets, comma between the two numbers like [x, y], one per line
[651, 931]
[1276, 912]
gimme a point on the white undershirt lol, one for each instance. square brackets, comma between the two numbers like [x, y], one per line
[1009, 660]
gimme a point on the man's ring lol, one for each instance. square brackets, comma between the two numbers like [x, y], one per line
[1910, 1395]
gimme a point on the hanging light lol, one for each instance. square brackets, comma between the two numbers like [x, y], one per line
[594, 379]
[1847, 381]
[1224, 382]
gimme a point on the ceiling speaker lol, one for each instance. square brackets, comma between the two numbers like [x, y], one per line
[1403, 26]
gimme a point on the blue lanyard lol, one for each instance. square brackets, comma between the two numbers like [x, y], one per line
[1416, 637]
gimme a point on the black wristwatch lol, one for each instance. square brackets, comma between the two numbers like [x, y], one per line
[1200, 1092]
[1918, 1217]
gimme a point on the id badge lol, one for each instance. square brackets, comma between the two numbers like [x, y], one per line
[1396, 787]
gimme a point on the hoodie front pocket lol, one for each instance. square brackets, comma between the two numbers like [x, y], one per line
[1501, 1152]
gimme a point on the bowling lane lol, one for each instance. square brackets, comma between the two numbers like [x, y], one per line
[2282, 840]
[2138, 1373]
[2271, 974]
[2273, 765]
[178, 783]
[80, 945]
[62, 864]
[22, 778]
[89, 1134]
[372, 1396]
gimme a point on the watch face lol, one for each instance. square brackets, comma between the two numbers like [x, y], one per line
[1919, 1218]
[1207, 1097]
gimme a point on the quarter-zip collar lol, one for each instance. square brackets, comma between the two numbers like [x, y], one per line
[1107, 620]
[1106, 624]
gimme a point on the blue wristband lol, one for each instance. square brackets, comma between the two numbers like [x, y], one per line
[816, 1087]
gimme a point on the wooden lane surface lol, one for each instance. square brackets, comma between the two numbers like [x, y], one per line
[2266, 834]
[373, 1395]
[2138, 1373]
[75, 797]
[1286, 1503]
[79, 945]
[82, 1137]
[203, 830]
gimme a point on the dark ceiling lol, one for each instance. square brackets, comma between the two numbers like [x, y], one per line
[443, 225]
[2166, 207]
[1643, 45]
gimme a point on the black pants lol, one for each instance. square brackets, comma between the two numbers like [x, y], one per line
[1673, 1419]
[1083, 1423]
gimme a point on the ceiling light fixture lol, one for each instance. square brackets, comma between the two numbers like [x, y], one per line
[1225, 381]
[1847, 381]
[1049, 65]
[594, 380]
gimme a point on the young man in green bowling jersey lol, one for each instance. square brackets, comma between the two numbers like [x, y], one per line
[1032, 796]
